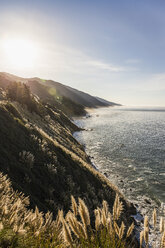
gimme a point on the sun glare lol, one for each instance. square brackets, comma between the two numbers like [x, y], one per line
[20, 53]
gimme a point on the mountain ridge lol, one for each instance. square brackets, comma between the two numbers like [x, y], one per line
[57, 91]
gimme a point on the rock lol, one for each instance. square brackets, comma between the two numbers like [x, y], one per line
[147, 201]
[105, 174]
[137, 224]
[88, 116]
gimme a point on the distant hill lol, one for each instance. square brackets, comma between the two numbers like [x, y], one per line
[69, 100]
[77, 96]
[107, 102]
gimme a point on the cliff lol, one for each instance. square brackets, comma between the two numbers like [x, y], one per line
[42, 158]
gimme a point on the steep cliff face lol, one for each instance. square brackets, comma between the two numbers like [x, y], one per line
[44, 161]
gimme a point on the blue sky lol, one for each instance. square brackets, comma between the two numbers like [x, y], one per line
[112, 49]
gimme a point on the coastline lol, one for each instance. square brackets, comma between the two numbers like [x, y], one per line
[137, 216]
[149, 204]
[78, 121]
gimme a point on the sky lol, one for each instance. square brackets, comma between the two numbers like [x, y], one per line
[111, 49]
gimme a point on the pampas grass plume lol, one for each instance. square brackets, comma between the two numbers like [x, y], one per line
[146, 235]
[154, 216]
[67, 234]
[141, 238]
[161, 225]
[121, 231]
[84, 213]
[146, 222]
[130, 230]
[74, 205]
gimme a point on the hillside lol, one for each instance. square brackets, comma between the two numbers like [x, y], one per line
[77, 96]
[107, 102]
[41, 157]
[24, 228]
[44, 161]
[69, 100]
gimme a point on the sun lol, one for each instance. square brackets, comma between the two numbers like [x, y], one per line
[20, 53]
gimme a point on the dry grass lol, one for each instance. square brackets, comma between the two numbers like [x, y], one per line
[51, 149]
[21, 227]
[158, 226]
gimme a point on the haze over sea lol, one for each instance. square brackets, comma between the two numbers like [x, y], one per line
[128, 146]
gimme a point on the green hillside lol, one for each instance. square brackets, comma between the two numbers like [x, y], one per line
[44, 161]
[71, 101]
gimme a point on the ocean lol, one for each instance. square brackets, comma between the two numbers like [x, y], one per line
[127, 145]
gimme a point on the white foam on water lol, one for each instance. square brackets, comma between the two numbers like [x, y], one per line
[128, 146]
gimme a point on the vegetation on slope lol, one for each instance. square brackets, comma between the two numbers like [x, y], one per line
[50, 95]
[20, 227]
[71, 101]
[24, 228]
[46, 93]
[45, 162]
[77, 96]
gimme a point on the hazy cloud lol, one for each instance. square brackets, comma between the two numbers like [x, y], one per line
[105, 66]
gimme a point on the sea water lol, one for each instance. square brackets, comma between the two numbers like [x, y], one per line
[127, 145]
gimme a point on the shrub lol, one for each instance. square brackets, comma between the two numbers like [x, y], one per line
[20, 92]
[27, 158]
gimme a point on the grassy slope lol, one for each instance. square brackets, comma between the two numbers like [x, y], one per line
[61, 168]
[46, 93]
[23, 228]
[50, 95]
[69, 100]
[77, 96]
